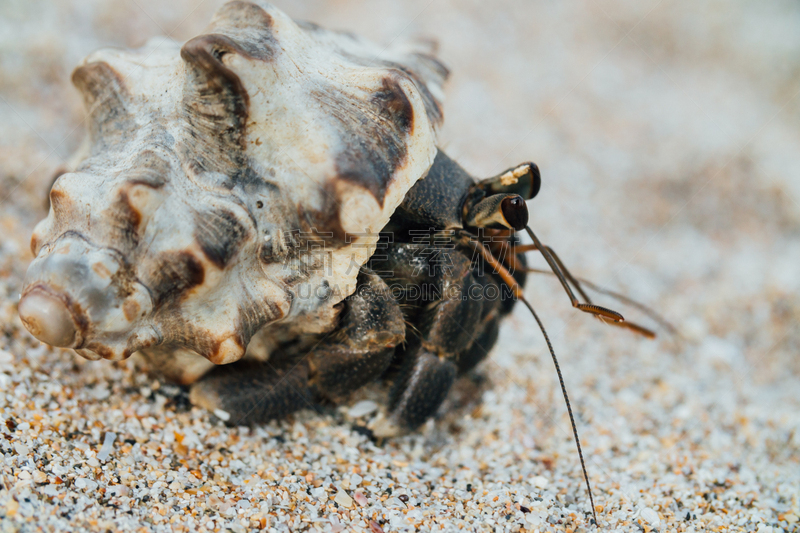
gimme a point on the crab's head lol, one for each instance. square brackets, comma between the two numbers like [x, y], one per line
[237, 180]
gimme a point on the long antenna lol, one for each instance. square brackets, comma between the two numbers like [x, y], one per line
[566, 399]
[503, 272]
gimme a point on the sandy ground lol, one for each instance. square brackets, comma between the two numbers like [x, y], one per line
[667, 132]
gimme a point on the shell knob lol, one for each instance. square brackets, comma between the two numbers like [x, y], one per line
[47, 318]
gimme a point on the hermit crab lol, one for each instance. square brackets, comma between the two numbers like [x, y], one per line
[263, 212]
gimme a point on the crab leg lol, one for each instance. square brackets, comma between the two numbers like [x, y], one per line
[357, 352]
[587, 307]
[577, 284]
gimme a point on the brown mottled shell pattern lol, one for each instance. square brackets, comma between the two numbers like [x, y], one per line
[213, 172]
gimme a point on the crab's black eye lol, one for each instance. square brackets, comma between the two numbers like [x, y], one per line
[515, 211]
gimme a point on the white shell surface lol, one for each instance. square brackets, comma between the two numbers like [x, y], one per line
[231, 182]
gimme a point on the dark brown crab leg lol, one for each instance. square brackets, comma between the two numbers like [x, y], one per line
[633, 303]
[554, 265]
[576, 282]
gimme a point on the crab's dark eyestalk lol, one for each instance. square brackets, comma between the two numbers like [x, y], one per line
[523, 179]
[499, 211]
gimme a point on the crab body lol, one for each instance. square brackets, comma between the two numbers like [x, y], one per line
[230, 201]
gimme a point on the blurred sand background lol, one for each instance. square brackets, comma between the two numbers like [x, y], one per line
[668, 134]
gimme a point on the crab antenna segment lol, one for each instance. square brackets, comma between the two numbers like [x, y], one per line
[503, 272]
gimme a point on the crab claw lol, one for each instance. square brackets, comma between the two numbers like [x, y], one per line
[47, 318]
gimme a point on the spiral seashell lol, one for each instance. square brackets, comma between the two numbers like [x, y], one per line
[213, 175]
